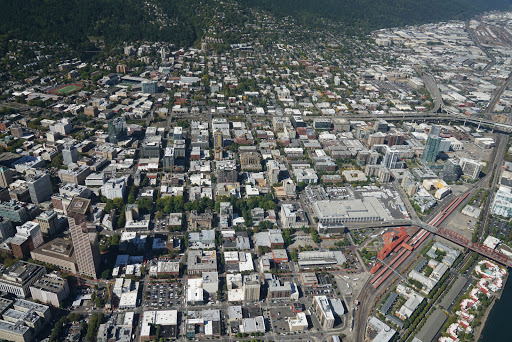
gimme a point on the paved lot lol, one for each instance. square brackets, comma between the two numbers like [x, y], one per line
[164, 296]
[279, 316]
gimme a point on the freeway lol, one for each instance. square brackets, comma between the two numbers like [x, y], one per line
[497, 94]
[432, 88]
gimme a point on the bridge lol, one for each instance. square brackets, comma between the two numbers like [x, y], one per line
[464, 242]
[501, 127]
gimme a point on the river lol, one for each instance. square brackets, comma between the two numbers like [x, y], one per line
[496, 326]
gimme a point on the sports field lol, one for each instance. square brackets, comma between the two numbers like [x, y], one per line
[66, 89]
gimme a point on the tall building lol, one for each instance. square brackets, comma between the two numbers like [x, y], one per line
[69, 154]
[49, 222]
[471, 168]
[431, 149]
[31, 230]
[177, 133]
[18, 212]
[451, 171]
[5, 176]
[150, 87]
[116, 130]
[39, 187]
[392, 159]
[435, 130]
[6, 228]
[323, 311]
[84, 237]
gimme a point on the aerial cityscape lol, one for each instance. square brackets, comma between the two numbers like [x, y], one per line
[260, 179]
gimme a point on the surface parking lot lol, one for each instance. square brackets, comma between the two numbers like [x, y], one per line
[163, 296]
[278, 317]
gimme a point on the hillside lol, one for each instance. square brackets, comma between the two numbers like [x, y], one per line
[182, 22]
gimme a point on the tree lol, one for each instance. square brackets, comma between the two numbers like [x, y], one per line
[57, 161]
[145, 205]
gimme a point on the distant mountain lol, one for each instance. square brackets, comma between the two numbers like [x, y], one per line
[182, 22]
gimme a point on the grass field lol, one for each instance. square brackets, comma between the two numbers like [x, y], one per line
[67, 89]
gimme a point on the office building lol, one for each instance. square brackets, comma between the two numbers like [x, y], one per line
[6, 229]
[200, 261]
[6, 175]
[250, 161]
[39, 187]
[27, 237]
[251, 288]
[114, 188]
[435, 130]
[451, 171]
[150, 87]
[18, 212]
[50, 289]
[218, 140]
[177, 133]
[22, 320]
[18, 278]
[69, 154]
[84, 237]
[49, 222]
[75, 174]
[392, 159]
[324, 312]
[116, 130]
[151, 149]
[169, 157]
[502, 204]
[471, 168]
[431, 149]
[58, 252]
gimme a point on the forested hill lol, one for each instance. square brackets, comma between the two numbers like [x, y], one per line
[184, 21]
[375, 14]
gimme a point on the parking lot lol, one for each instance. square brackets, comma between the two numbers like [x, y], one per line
[164, 295]
[278, 318]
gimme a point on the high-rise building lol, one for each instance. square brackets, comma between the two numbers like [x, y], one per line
[116, 130]
[31, 230]
[6, 229]
[451, 171]
[435, 130]
[177, 133]
[431, 149]
[39, 187]
[84, 237]
[471, 168]
[392, 159]
[150, 87]
[17, 212]
[69, 154]
[5, 176]
[49, 222]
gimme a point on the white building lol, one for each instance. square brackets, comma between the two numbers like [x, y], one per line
[502, 204]
[114, 188]
[471, 168]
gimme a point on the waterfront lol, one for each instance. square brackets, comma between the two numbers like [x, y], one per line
[496, 324]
